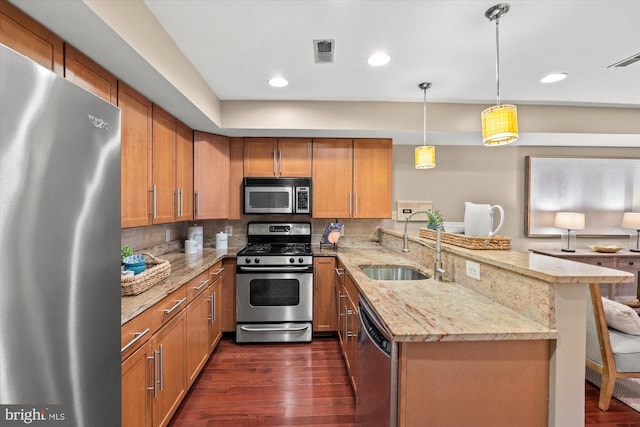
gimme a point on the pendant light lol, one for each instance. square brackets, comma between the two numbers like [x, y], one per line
[425, 156]
[500, 122]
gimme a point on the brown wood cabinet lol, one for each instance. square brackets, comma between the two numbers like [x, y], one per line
[279, 157]
[136, 179]
[84, 72]
[340, 297]
[198, 313]
[352, 178]
[210, 176]
[136, 379]
[168, 345]
[324, 289]
[25, 35]
[164, 203]
[351, 329]
[236, 173]
[229, 295]
[214, 298]
[184, 172]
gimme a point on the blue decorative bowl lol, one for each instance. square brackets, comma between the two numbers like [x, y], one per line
[135, 263]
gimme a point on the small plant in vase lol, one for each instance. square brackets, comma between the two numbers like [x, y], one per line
[435, 219]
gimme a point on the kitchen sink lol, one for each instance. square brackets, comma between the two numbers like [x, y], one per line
[392, 272]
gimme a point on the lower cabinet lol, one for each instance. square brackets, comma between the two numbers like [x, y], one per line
[169, 369]
[348, 324]
[136, 380]
[324, 305]
[165, 348]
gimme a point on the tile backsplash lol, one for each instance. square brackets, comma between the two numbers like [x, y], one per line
[154, 238]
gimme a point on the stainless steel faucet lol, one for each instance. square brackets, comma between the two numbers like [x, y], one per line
[438, 266]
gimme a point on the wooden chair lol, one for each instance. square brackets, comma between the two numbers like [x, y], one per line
[601, 355]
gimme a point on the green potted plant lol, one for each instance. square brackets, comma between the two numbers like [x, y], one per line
[435, 219]
[125, 251]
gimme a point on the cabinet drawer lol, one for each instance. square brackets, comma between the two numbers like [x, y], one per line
[599, 261]
[629, 264]
[134, 333]
[197, 285]
[215, 271]
[170, 305]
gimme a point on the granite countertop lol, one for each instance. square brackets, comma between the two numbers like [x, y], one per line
[183, 268]
[430, 311]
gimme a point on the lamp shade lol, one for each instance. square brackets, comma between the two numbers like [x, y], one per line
[425, 157]
[570, 220]
[499, 125]
[631, 220]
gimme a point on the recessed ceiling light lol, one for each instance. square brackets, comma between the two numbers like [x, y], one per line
[278, 82]
[555, 77]
[378, 59]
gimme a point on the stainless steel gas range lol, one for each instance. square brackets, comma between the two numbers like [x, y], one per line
[274, 284]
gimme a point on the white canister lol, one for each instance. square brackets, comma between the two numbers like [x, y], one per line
[190, 246]
[222, 240]
[195, 233]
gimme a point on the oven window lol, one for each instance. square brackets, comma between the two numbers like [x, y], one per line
[270, 199]
[274, 292]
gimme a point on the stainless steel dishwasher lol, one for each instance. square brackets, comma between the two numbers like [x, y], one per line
[377, 399]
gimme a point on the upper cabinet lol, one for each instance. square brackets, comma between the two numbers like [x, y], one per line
[236, 172]
[164, 200]
[352, 178]
[26, 36]
[136, 156]
[184, 172]
[279, 157]
[372, 184]
[84, 72]
[210, 175]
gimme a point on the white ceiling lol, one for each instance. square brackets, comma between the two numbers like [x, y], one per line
[238, 45]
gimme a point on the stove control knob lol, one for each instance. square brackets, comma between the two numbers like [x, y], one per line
[292, 260]
[247, 261]
[300, 260]
[257, 260]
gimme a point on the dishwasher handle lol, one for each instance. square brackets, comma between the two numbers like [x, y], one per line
[374, 329]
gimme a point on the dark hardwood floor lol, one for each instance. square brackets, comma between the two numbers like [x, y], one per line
[303, 385]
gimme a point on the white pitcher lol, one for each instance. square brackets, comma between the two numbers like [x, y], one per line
[478, 219]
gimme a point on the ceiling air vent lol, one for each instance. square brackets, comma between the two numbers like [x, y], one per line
[627, 61]
[323, 51]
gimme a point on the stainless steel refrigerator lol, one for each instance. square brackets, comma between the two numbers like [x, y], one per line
[59, 256]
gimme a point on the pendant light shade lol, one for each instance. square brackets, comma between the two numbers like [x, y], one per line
[425, 155]
[500, 122]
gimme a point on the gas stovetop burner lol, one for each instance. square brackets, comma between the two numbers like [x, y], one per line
[275, 244]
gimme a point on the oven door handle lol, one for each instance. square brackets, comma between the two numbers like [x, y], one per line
[274, 269]
[267, 329]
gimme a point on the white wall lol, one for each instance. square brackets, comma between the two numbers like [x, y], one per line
[481, 174]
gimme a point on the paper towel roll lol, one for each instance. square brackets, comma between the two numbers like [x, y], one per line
[222, 240]
[195, 233]
[190, 246]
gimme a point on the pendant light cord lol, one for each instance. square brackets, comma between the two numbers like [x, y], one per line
[498, 60]
[424, 122]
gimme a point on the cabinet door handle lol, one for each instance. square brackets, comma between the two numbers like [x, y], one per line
[154, 387]
[136, 338]
[339, 271]
[350, 204]
[347, 314]
[202, 285]
[197, 197]
[274, 163]
[176, 305]
[355, 204]
[161, 363]
[217, 272]
[155, 202]
[213, 305]
[280, 152]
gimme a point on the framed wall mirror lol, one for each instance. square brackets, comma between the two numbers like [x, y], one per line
[602, 188]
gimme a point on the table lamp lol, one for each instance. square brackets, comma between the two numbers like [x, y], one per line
[632, 220]
[569, 221]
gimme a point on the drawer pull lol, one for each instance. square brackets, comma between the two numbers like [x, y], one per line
[137, 337]
[177, 304]
[217, 272]
[339, 271]
[599, 262]
[202, 285]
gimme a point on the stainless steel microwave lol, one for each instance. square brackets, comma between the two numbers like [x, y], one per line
[277, 195]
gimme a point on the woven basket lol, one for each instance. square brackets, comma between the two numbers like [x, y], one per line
[495, 242]
[157, 270]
